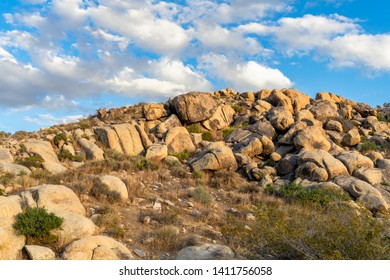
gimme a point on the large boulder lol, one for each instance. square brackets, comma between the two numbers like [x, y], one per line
[96, 248]
[157, 152]
[250, 147]
[194, 106]
[312, 137]
[312, 172]
[215, 156]
[363, 192]
[129, 138]
[324, 110]
[7, 167]
[262, 128]
[11, 244]
[370, 175]
[237, 135]
[178, 140]
[91, 150]
[354, 160]
[6, 156]
[114, 184]
[154, 111]
[287, 164]
[205, 252]
[222, 118]
[324, 160]
[109, 138]
[163, 127]
[351, 138]
[299, 100]
[45, 150]
[280, 118]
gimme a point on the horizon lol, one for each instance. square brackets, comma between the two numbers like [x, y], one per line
[62, 60]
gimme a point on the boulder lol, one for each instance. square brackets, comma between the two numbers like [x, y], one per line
[194, 106]
[334, 126]
[205, 252]
[299, 100]
[237, 135]
[154, 111]
[108, 136]
[384, 164]
[162, 128]
[157, 152]
[288, 137]
[312, 172]
[6, 156]
[262, 106]
[324, 160]
[370, 175]
[363, 192]
[45, 150]
[312, 137]
[280, 118]
[287, 164]
[248, 95]
[57, 198]
[250, 147]
[129, 138]
[329, 97]
[178, 140]
[91, 150]
[354, 160]
[11, 244]
[268, 145]
[114, 184]
[278, 99]
[36, 252]
[16, 169]
[96, 247]
[351, 138]
[222, 118]
[216, 156]
[144, 136]
[324, 110]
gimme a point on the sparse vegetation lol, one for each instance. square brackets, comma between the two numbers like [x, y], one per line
[207, 136]
[227, 131]
[143, 164]
[237, 108]
[194, 128]
[35, 161]
[58, 138]
[36, 224]
[66, 155]
[6, 178]
[368, 146]
[202, 195]
[184, 155]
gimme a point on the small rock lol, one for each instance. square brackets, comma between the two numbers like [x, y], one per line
[147, 220]
[139, 253]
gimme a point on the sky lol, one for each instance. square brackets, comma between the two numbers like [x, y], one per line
[61, 60]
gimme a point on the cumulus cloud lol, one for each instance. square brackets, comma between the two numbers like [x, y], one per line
[45, 120]
[246, 76]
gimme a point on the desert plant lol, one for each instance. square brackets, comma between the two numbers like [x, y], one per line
[58, 138]
[237, 108]
[368, 146]
[202, 196]
[183, 155]
[31, 161]
[227, 131]
[36, 223]
[145, 164]
[194, 128]
[66, 155]
[207, 136]
[6, 178]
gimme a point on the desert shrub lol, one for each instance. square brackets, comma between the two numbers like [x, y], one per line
[2, 192]
[296, 193]
[109, 221]
[381, 118]
[6, 178]
[36, 223]
[202, 196]
[226, 132]
[20, 135]
[165, 239]
[115, 155]
[40, 174]
[237, 108]
[207, 136]
[227, 180]
[102, 193]
[31, 161]
[85, 124]
[269, 162]
[145, 164]
[194, 128]
[183, 155]
[290, 231]
[4, 134]
[368, 146]
[66, 155]
[166, 217]
[59, 137]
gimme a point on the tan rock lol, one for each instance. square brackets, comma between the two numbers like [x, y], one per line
[312, 137]
[354, 160]
[299, 100]
[84, 249]
[287, 164]
[45, 150]
[370, 175]
[178, 140]
[262, 106]
[146, 142]
[36, 252]
[250, 147]
[154, 111]
[334, 126]
[16, 169]
[351, 138]
[205, 252]
[324, 110]
[114, 184]
[214, 157]
[6, 156]
[248, 95]
[312, 172]
[129, 139]
[91, 150]
[268, 145]
[109, 138]
[222, 118]
[194, 106]
[171, 121]
[289, 136]
[157, 152]
[262, 128]
[280, 118]
[278, 99]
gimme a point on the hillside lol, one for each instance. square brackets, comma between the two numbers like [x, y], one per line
[272, 174]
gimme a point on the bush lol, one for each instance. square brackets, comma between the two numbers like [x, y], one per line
[184, 155]
[368, 146]
[194, 128]
[31, 161]
[237, 108]
[6, 178]
[37, 223]
[143, 164]
[59, 137]
[66, 155]
[227, 131]
[207, 136]
[202, 196]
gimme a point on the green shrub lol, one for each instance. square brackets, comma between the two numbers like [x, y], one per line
[368, 146]
[202, 196]
[227, 131]
[31, 161]
[184, 155]
[207, 136]
[37, 223]
[237, 108]
[6, 178]
[194, 128]
[294, 193]
[59, 137]
[66, 155]
[269, 162]
[85, 124]
[381, 118]
[144, 164]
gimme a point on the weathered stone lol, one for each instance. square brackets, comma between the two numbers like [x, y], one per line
[374, 156]
[248, 95]
[242, 159]
[178, 140]
[85, 249]
[35, 252]
[68, 147]
[364, 192]
[312, 172]
[250, 147]
[114, 184]
[287, 164]
[370, 175]
[6, 156]
[57, 198]
[351, 138]
[384, 164]
[92, 151]
[205, 252]
[262, 106]
[299, 100]
[154, 111]
[275, 157]
[109, 138]
[129, 139]
[329, 97]
[194, 106]
[278, 99]
[237, 135]
[288, 138]
[334, 126]
[214, 157]
[312, 137]
[324, 110]
[162, 128]
[280, 118]
[157, 152]
[268, 145]
[354, 160]
[144, 137]
[222, 118]
[16, 169]
[45, 150]
[323, 159]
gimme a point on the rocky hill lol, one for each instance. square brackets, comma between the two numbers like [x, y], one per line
[272, 174]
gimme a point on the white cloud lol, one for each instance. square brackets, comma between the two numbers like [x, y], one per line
[46, 120]
[244, 76]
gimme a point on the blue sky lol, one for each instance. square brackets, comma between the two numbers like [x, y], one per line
[60, 60]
